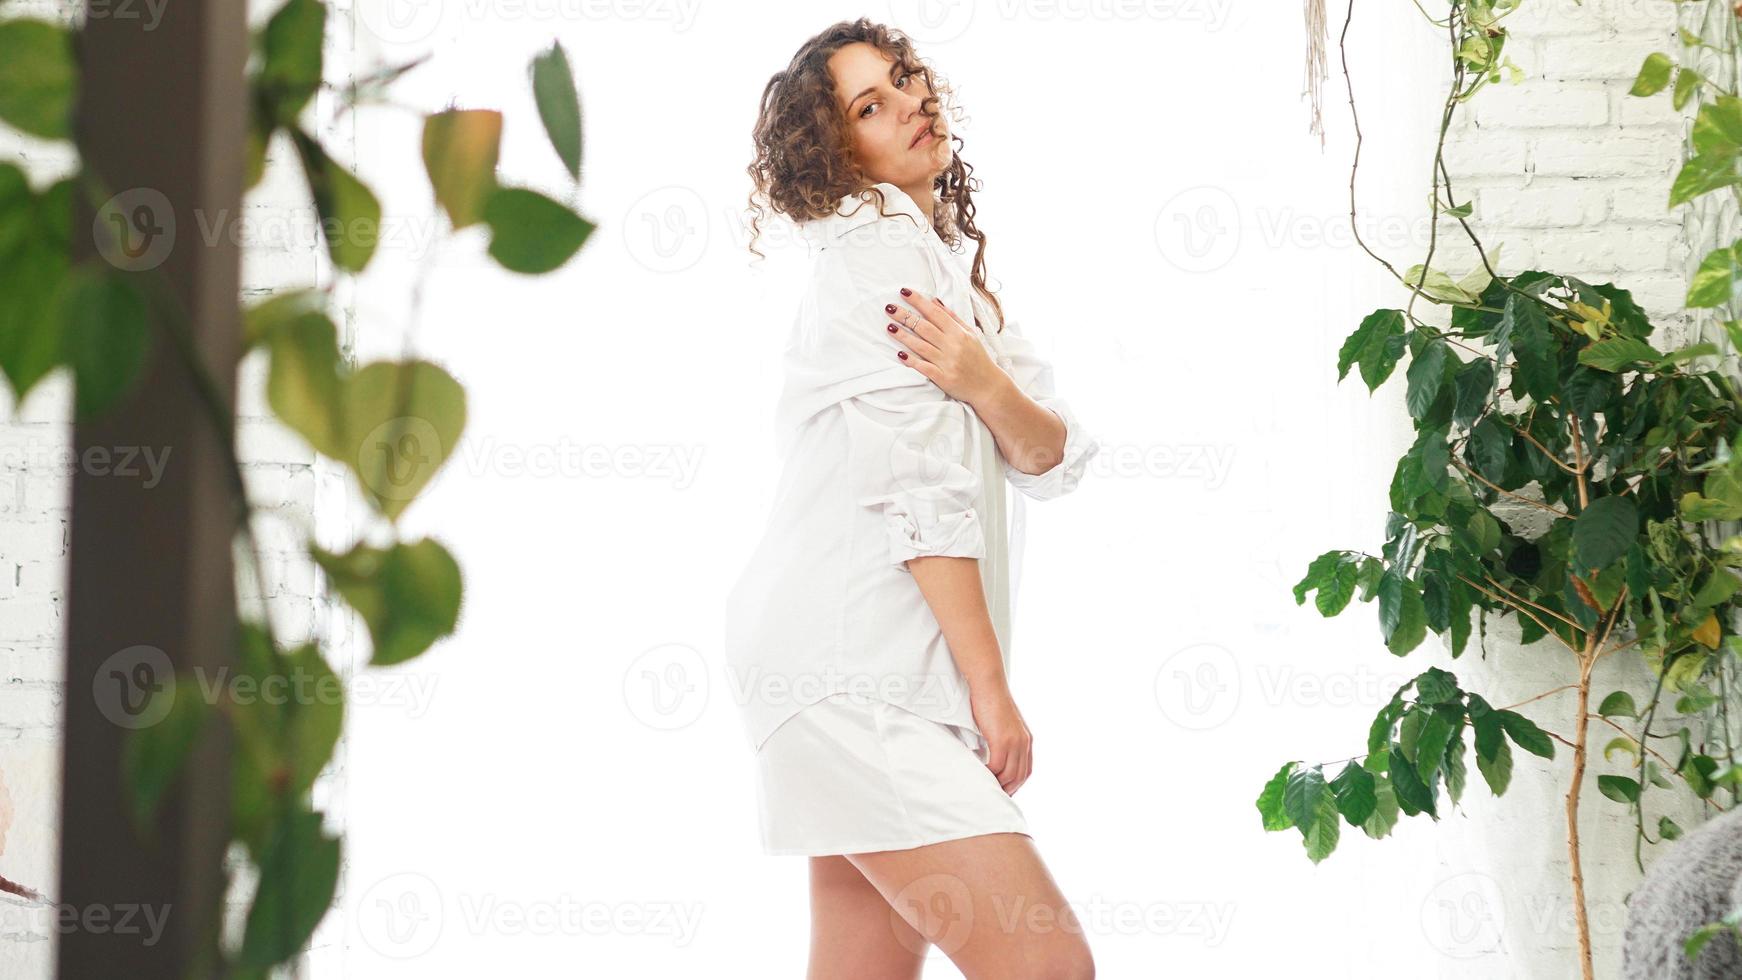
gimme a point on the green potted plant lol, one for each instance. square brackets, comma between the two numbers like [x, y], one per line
[1566, 472]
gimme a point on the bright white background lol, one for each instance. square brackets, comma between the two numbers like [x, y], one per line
[1164, 226]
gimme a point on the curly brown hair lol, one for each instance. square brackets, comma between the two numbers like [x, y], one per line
[804, 161]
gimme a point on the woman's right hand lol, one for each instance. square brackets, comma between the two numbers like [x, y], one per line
[1011, 757]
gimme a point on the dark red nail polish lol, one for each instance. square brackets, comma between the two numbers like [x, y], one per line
[906, 292]
[889, 308]
[893, 328]
[901, 354]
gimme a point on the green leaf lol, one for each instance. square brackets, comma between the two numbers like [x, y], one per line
[1426, 370]
[314, 727]
[1431, 742]
[1301, 795]
[1355, 794]
[1384, 816]
[1617, 353]
[1702, 174]
[1453, 765]
[1376, 345]
[299, 874]
[260, 320]
[1437, 285]
[1621, 789]
[559, 107]
[402, 422]
[1473, 385]
[1489, 445]
[1698, 939]
[1321, 838]
[1436, 686]
[350, 215]
[1622, 743]
[1411, 619]
[38, 77]
[1715, 279]
[1619, 704]
[530, 233]
[1687, 82]
[303, 385]
[1270, 806]
[460, 150]
[1718, 126]
[1334, 576]
[1496, 769]
[105, 334]
[1603, 532]
[1413, 795]
[153, 755]
[32, 276]
[1533, 346]
[1524, 732]
[1653, 75]
[408, 595]
[291, 48]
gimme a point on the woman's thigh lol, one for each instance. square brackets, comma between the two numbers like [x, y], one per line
[988, 902]
[855, 935]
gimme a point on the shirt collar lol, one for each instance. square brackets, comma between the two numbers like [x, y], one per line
[858, 209]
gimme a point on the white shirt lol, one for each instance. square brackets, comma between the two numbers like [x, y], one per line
[879, 466]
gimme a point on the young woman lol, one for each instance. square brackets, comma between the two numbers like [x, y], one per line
[869, 635]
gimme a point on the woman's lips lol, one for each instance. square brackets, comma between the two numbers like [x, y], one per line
[923, 138]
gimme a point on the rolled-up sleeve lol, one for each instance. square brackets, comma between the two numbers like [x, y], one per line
[908, 460]
[1063, 477]
[1033, 373]
[911, 447]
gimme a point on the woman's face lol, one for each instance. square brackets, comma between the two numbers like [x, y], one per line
[882, 114]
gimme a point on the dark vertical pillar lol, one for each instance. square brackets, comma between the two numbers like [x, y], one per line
[161, 111]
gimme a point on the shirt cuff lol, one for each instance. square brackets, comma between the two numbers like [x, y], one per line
[1080, 447]
[957, 534]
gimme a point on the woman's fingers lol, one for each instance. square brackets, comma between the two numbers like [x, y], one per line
[913, 341]
[948, 313]
[934, 308]
[923, 328]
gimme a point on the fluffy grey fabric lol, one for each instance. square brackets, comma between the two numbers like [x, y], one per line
[1698, 880]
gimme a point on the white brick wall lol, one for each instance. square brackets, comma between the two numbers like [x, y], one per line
[1566, 168]
[294, 488]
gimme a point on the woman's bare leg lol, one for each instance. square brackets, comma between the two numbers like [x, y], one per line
[988, 902]
[855, 935]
